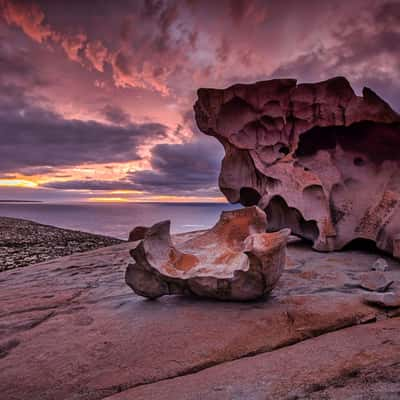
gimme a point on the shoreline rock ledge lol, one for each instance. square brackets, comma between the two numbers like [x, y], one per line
[316, 157]
[234, 260]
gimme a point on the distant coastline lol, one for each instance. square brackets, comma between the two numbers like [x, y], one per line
[117, 219]
[24, 242]
[20, 201]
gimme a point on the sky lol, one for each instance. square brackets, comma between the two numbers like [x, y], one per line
[96, 97]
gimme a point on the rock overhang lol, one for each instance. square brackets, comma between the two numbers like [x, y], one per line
[315, 156]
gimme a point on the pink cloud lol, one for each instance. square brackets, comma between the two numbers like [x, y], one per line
[74, 45]
[28, 16]
[97, 54]
[126, 73]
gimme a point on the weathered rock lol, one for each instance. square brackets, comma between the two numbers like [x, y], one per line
[234, 260]
[72, 329]
[396, 245]
[319, 159]
[380, 265]
[389, 299]
[137, 233]
[375, 281]
[358, 363]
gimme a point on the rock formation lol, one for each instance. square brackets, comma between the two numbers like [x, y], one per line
[137, 233]
[235, 260]
[316, 157]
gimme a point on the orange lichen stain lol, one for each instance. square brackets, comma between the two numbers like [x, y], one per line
[225, 258]
[181, 261]
[272, 239]
[235, 231]
[170, 270]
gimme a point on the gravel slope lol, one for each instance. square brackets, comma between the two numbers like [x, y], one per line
[25, 242]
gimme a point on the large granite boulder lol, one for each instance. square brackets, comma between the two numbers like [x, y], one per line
[234, 260]
[317, 158]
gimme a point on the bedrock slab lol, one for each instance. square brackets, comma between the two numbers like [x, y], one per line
[72, 329]
[360, 362]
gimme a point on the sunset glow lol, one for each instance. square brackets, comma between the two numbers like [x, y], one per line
[108, 199]
[97, 105]
[17, 183]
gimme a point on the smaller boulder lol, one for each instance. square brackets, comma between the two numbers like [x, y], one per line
[375, 281]
[389, 299]
[137, 233]
[235, 260]
[380, 265]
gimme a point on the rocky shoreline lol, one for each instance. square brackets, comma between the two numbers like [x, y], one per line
[24, 242]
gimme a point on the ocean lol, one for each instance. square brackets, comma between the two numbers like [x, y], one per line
[118, 219]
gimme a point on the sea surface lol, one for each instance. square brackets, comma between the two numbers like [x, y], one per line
[117, 220]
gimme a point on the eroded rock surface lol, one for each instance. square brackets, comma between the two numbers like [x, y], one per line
[234, 260]
[72, 329]
[375, 281]
[389, 299]
[137, 233]
[319, 159]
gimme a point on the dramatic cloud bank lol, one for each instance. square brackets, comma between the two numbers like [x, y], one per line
[94, 96]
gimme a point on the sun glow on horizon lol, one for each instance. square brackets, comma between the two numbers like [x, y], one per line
[156, 199]
[108, 200]
[18, 183]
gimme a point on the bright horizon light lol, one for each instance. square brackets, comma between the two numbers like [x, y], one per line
[18, 183]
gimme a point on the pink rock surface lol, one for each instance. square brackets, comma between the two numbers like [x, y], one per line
[356, 363]
[72, 329]
[319, 159]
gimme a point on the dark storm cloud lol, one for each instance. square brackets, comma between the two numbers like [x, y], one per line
[366, 52]
[169, 46]
[42, 138]
[32, 136]
[90, 184]
[181, 168]
[116, 115]
[176, 169]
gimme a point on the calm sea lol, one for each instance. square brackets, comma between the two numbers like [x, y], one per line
[118, 219]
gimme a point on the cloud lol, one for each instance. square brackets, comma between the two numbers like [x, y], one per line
[28, 16]
[34, 136]
[129, 72]
[176, 169]
[116, 115]
[42, 138]
[164, 51]
[181, 168]
[97, 54]
[365, 50]
[90, 184]
[74, 46]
